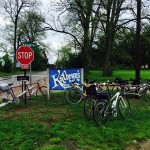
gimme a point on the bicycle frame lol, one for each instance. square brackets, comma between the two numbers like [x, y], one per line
[138, 90]
[84, 94]
[77, 86]
[143, 88]
[80, 89]
[5, 95]
[114, 101]
[30, 89]
[15, 98]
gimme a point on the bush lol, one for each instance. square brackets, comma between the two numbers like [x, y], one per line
[8, 64]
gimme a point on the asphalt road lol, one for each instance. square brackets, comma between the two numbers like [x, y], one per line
[13, 78]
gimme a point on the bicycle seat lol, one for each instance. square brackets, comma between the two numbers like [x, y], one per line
[10, 84]
[103, 95]
[4, 87]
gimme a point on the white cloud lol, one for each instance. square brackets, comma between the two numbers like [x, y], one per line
[56, 41]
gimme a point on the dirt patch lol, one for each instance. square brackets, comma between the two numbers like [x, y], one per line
[69, 144]
[20, 110]
[144, 145]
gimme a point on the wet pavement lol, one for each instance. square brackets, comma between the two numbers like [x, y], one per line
[13, 78]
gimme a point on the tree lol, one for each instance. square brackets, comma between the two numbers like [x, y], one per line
[29, 27]
[29, 34]
[81, 21]
[122, 52]
[14, 8]
[39, 62]
[115, 18]
[138, 43]
[145, 45]
[67, 58]
[85, 18]
[7, 64]
[111, 22]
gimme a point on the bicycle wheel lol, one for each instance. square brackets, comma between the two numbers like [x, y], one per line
[89, 107]
[74, 96]
[42, 93]
[102, 113]
[123, 106]
[6, 100]
[147, 94]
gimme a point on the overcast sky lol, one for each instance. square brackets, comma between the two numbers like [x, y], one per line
[54, 40]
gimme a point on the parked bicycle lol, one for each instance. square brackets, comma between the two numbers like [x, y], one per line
[93, 96]
[104, 111]
[8, 97]
[142, 90]
[77, 92]
[37, 88]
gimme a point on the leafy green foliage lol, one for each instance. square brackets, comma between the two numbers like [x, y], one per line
[7, 67]
[39, 62]
[68, 59]
[122, 55]
[29, 27]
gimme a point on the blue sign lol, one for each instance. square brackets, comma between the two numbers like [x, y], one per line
[60, 79]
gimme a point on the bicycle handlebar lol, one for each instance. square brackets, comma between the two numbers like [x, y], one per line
[21, 82]
[27, 82]
[42, 81]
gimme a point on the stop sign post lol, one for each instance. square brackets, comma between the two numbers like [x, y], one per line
[24, 55]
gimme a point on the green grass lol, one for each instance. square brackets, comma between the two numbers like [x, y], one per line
[124, 74]
[12, 73]
[57, 125]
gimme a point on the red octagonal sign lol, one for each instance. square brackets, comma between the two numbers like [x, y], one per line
[24, 55]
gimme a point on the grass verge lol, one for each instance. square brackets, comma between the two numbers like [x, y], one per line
[57, 125]
[124, 74]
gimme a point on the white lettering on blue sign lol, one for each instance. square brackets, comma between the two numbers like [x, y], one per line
[63, 79]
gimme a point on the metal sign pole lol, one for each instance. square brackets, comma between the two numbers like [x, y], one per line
[48, 86]
[24, 83]
[30, 75]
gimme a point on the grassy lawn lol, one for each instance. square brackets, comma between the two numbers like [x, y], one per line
[12, 73]
[124, 74]
[57, 125]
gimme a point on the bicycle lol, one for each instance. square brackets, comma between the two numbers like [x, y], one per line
[38, 89]
[93, 96]
[8, 97]
[138, 90]
[104, 111]
[77, 92]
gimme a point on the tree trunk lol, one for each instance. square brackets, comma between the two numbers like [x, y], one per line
[86, 58]
[109, 43]
[138, 45]
[15, 48]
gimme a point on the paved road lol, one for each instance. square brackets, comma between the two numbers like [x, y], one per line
[13, 78]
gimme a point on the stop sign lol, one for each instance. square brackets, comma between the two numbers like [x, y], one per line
[24, 55]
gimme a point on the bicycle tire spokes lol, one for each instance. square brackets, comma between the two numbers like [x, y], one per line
[42, 93]
[6, 102]
[123, 107]
[89, 105]
[147, 94]
[110, 108]
[102, 113]
[74, 96]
